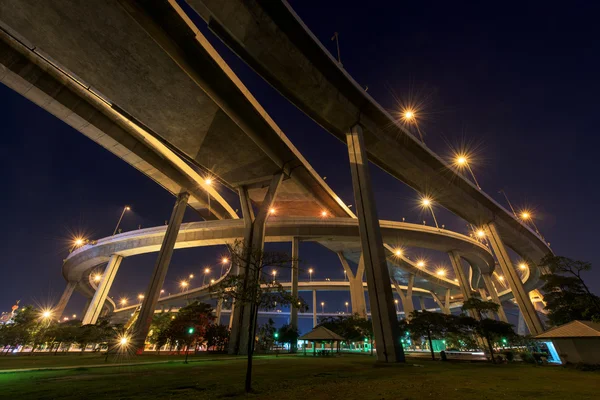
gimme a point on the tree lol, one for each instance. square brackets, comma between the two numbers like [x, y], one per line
[159, 329]
[567, 296]
[428, 324]
[254, 288]
[493, 331]
[480, 307]
[266, 335]
[217, 337]
[288, 334]
[190, 324]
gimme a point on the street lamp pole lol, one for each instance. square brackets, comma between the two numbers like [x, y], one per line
[427, 203]
[126, 208]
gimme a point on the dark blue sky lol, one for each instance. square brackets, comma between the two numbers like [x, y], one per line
[519, 82]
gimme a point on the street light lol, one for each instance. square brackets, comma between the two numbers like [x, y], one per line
[224, 261]
[421, 264]
[346, 307]
[527, 217]
[97, 277]
[78, 242]
[523, 266]
[396, 302]
[322, 307]
[274, 273]
[206, 272]
[310, 271]
[212, 281]
[140, 297]
[191, 276]
[123, 301]
[410, 116]
[441, 272]
[183, 285]
[426, 202]
[324, 214]
[398, 252]
[462, 161]
[272, 211]
[126, 208]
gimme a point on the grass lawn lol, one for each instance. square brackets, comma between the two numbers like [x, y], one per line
[298, 377]
[44, 360]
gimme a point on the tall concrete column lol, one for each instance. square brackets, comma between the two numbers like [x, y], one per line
[142, 325]
[514, 281]
[314, 308]
[218, 311]
[422, 303]
[95, 308]
[357, 291]
[444, 305]
[463, 282]
[406, 299]
[59, 309]
[254, 240]
[294, 306]
[491, 288]
[383, 311]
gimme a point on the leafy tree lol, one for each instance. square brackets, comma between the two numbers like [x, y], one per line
[288, 334]
[567, 296]
[480, 307]
[254, 288]
[266, 335]
[190, 324]
[217, 337]
[493, 331]
[159, 329]
[428, 324]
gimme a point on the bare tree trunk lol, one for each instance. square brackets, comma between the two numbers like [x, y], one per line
[491, 349]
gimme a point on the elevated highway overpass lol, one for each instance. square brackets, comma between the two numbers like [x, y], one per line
[140, 79]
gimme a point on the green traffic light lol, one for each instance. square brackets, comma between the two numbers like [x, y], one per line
[276, 335]
[191, 330]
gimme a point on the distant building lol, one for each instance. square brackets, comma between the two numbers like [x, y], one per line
[575, 342]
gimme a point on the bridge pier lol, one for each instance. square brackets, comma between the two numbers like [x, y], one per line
[489, 284]
[463, 282]
[406, 299]
[64, 299]
[444, 304]
[357, 291]
[142, 325]
[383, 310]
[314, 308]
[294, 307]
[514, 281]
[254, 240]
[97, 304]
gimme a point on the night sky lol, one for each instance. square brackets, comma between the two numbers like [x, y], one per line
[519, 84]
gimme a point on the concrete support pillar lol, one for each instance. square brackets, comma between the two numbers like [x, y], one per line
[422, 303]
[491, 288]
[218, 311]
[406, 299]
[294, 306]
[142, 325]
[314, 308]
[444, 305]
[514, 281]
[59, 309]
[254, 240]
[383, 310]
[463, 282]
[357, 291]
[95, 308]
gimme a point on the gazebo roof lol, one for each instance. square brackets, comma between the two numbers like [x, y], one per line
[321, 333]
[572, 329]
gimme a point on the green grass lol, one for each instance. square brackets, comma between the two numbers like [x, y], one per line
[44, 360]
[347, 377]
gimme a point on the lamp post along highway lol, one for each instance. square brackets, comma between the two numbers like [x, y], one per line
[126, 208]
[426, 202]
